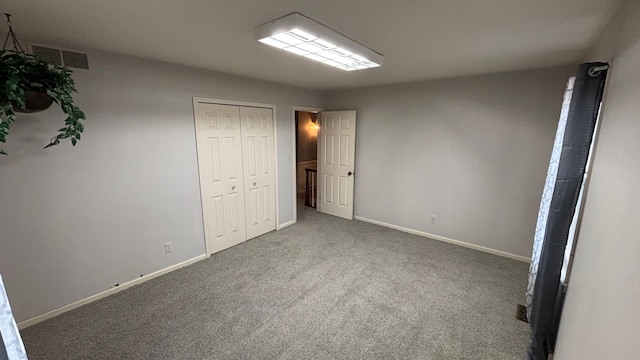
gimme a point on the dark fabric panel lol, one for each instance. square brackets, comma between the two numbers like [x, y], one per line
[581, 120]
[553, 334]
[3, 350]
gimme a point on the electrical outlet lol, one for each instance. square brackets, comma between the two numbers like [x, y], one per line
[168, 248]
[433, 219]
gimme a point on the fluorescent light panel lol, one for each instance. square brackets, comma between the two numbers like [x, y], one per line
[303, 36]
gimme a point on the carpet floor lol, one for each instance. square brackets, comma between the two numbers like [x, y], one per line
[324, 288]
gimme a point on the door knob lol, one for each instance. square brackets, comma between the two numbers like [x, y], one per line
[254, 184]
[233, 188]
[349, 173]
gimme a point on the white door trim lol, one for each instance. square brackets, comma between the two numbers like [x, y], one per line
[198, 99]
[294, 157]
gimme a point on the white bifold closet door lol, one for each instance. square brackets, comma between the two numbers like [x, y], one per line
[259, 169]
[236, 160]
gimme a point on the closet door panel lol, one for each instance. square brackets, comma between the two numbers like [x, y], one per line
[219, 145]
[259, 169]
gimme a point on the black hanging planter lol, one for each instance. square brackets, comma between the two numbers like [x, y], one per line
[29, 84]
[36, 101]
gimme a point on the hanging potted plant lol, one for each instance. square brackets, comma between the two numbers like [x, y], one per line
[30, 84]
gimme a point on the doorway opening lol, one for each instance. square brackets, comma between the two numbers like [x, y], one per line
[306, 159]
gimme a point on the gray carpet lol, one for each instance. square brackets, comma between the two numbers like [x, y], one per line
[325, 288]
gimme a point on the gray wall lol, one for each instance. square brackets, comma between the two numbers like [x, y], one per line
[76, 221]
[601, 312]
[473, 151]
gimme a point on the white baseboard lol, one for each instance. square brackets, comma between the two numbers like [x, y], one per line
[103, 294]
[140, 280]
[288, 223]
[445, 239]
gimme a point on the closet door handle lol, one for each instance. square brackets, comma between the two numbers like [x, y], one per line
[233, 188]
[254, 184]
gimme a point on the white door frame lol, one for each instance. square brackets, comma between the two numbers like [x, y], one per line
[294, 157]
[196, 100]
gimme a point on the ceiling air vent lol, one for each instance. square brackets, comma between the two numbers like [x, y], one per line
[75, 59]
[56, 56]
[50, 55]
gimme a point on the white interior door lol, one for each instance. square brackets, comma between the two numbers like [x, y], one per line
[221, 175]
[337, 147]
[259, 169]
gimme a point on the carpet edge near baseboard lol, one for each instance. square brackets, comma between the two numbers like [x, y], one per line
[445, 239]
[95, 297]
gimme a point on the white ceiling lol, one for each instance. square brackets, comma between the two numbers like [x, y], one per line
[420, 39]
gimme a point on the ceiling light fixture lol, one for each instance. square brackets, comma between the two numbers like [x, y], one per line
[303, 36]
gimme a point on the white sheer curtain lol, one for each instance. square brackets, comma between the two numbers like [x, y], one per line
[9, 330]
[547, 194]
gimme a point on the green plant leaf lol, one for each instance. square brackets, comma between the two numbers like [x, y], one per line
[22, 72]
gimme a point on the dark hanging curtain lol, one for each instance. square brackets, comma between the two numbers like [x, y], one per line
[581, 120]
[3, 350]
